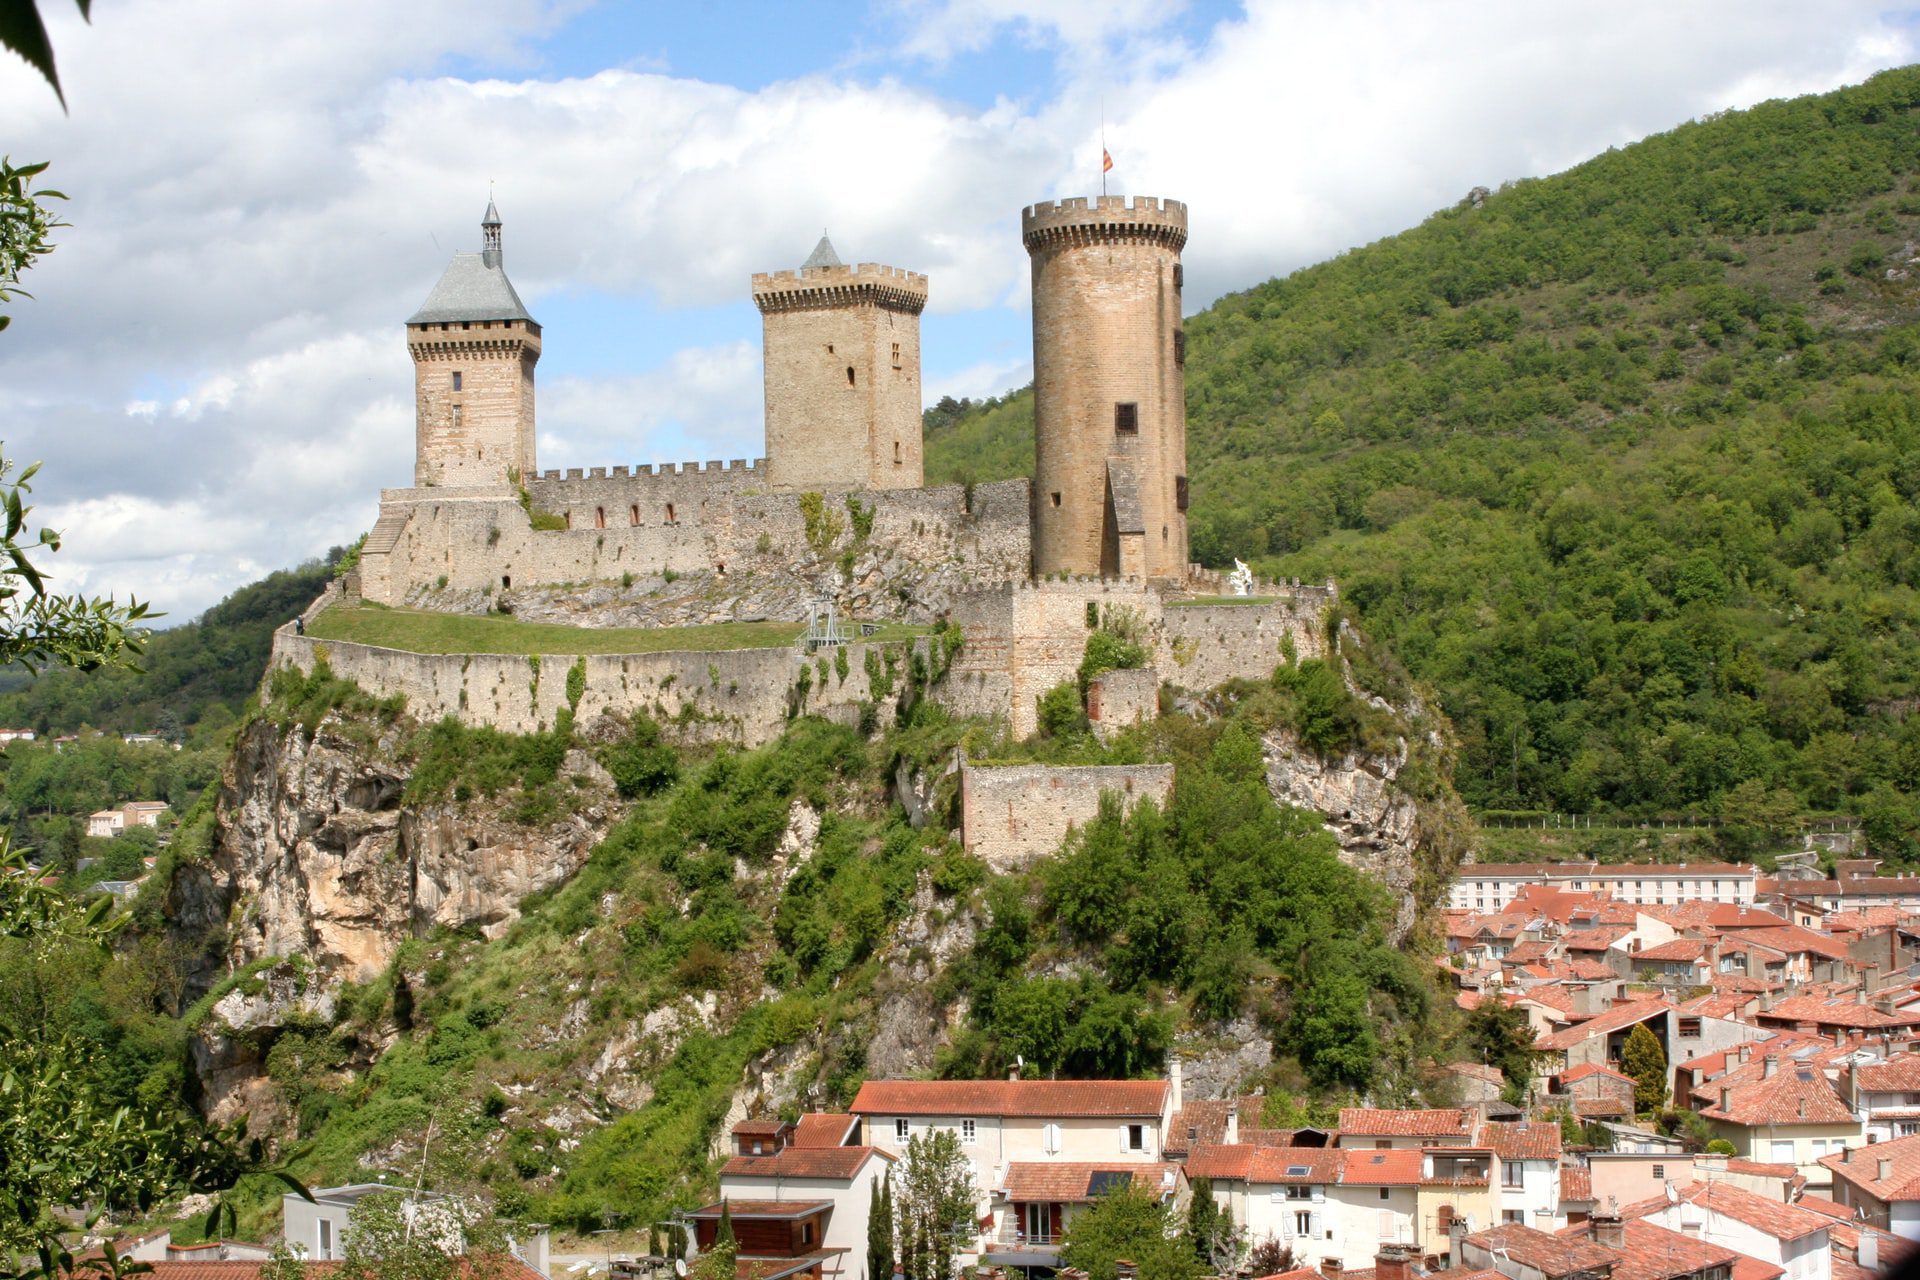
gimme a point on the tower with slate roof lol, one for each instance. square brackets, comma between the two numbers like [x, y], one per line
[842, 349]
[474, 347]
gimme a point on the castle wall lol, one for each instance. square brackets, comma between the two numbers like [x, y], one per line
[732, 694]
[1013, 814]
[494, 406]
[1201, 645]
[689, 521]
[1118, 700]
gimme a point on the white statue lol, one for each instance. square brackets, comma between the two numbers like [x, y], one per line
[1241, 579]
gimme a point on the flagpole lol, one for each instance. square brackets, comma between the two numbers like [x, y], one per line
[1103, 145]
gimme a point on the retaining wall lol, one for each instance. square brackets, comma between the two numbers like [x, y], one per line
[1013, 814]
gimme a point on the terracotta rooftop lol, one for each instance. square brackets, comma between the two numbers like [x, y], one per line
[1834, 1013]
[1598, 938]
[1900, 1155]
[1380, 1168]
[1655, 1253]
[764, 1209]
[1769, 1217]
[1380, 1122]
[1550, 1255]
[1678, 949]
[1043, 1099]
[1793, 939]
[1576, 1182]
[1614, 1019]
[822, 1163]
[822, 1129]
[1898, 1074]
[1796, 1093]
[761, 1128]
[1573, 1075]
[1199, 1123]
[1525, 1140]
[1079, 1182]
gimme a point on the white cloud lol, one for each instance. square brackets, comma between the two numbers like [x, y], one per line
[213, 368]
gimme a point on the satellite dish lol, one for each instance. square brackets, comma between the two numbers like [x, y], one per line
[680, 1266]
[1673, 1197]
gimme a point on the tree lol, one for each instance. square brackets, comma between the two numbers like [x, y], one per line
[934, 1218]
[1210, 1230]
[1499, 1035]
[1129, 1223]
[880, 1230]
[1270, 1257]
[22, 31]
[396, 1235]
[1643, 1059]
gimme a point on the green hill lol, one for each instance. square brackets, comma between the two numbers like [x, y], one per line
[1623, 462]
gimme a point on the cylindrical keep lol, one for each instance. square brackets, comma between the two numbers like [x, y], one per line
[1110, 420]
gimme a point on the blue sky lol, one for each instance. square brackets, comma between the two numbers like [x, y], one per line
[212, 367]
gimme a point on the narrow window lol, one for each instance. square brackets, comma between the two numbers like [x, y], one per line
[456, 379]
[326, 1238]
[1126, 419]
[896, 453]
[806, 1233]
[968, 1132]
[1056, 497]
[849, 375]
[599, 517]
[1180, 493]
[1383, 1193]
[633, 514]
[669, 513]
[506, 582]
[1179, 276]
[896, 355]
[900, 1128]
[456, 415]
[569, 517]
[1179, 346]
[829, 348]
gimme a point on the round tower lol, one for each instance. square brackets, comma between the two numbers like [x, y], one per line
[1109, 387]
[474, 347]
[842, 348]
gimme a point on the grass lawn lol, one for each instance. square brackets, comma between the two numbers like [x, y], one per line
[423, 631]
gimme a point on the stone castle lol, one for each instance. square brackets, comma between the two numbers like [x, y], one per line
[1023, 568]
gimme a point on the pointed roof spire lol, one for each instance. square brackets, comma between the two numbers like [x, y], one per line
[490, 235]
[823, 254]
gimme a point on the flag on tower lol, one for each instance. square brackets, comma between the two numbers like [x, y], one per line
[1106, 160]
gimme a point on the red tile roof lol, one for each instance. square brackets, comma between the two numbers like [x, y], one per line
[1573, 1075]
[822, 1129]
[1576, 1182]
[1792, 939]
[1033, 1098]
[1902, 1156]
[1614, 1019]
[1523, 1140]
[1834, 1013]
[826, 1164]
[1550, 1255]
[1898, 1074]
[1199, 1123]
[1655, 1253]
[1074, 1181]
[762, 1208]
[1380, 1168]
[1678, 949]
[1796, 1093]
[1380, 1122]
[1599, 938]
[1769, 1217]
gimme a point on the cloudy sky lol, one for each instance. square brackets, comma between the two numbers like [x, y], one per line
[213, 367]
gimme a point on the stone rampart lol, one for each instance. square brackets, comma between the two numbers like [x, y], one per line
[739, 695]
[1118, 700]
[1013, 814]
[713, 521]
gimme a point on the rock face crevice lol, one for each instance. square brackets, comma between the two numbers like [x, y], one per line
[316, 856]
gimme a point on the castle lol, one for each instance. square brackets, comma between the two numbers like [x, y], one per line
[1023, 568]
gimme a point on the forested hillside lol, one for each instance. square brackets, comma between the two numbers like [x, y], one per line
[1622, 462]
[193, 676]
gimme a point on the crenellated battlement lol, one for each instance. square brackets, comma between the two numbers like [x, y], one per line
[1080, 218]
[894, 288]
[650, 471]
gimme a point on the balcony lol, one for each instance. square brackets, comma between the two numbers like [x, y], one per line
[1012, 1236]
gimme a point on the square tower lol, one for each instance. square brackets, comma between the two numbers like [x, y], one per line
[1109, 387]
[474, 347]
[842, 349]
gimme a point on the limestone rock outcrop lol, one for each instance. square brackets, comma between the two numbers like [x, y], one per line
[318, 858]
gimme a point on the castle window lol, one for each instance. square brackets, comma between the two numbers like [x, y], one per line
[599, 517]
[896, 355]
[569, 518]
[1179, 346]
[456, 415]
[1179, 276]
[849, 375]
[896, 453]
[456, 379]
[506, 582]
[1056, 497]
[633, 513]
[466, 324]
[829, 348]
[1180, 493]
[669, 513]
[1126, 419]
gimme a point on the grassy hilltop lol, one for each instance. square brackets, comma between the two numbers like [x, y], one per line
[1624, 463]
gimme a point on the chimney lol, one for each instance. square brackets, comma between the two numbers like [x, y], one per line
[1607, 1229]
[1174, 1081]
[1867, 1252]
[1769, 1065]
[1886, 1169]
[1457, 1242]
[1013, 1072]
[1331, 1268]
[1233, 1121]
[1726, 1098]
[1846, 1155]
[1392, 1262]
